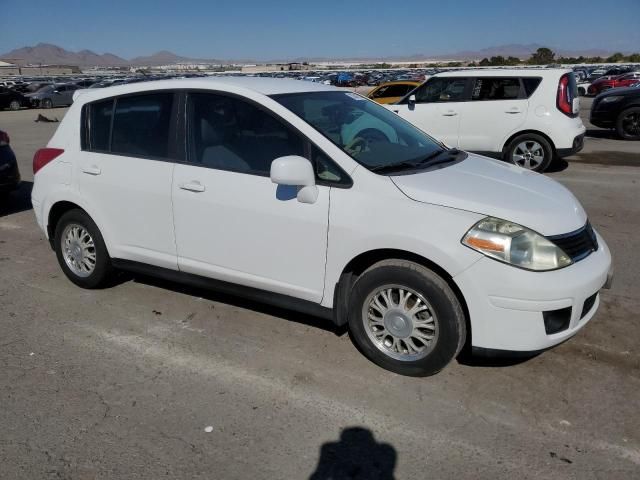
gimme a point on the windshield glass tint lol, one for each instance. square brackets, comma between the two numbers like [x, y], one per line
[371, 134]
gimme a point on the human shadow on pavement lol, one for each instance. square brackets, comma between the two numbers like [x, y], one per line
[16, 201]
[355, 456]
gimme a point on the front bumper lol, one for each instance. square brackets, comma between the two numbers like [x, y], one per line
[577, 145]
[506, 304]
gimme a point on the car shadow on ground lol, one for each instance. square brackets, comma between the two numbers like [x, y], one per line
[468, 359]
[236, 301]
[602, 133]
[356, 455]
[16, 201]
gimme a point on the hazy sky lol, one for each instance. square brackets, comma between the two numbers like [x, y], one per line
[281, 28]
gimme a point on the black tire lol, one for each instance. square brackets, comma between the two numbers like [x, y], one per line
[530, 139]
[446, 309]
[46, 103]
[103, 270]
[628, 124]
[14, 105]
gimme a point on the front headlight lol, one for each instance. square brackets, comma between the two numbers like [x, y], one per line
[516, 245]
[611, 99]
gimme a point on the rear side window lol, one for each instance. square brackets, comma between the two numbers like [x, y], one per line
[141, 125]
[489, 88]
[530, 85]
[99, 125]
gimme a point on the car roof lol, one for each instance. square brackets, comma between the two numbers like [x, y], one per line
[506, 72]
[401, 82]
[262, 85]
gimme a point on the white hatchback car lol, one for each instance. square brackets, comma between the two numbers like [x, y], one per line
[259, 187]
[525, 116]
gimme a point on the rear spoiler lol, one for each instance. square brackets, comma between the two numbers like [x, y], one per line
[79, 92]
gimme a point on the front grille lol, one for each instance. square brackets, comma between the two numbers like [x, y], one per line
[579, 244]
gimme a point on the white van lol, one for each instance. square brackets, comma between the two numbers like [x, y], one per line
[260, 187]
[525, 116]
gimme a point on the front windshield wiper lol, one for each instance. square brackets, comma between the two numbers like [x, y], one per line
[434, 158]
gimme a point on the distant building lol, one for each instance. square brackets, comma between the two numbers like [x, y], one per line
[275, 67]
[7, 69]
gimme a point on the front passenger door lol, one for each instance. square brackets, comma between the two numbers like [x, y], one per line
[231, 222]
[439, 106]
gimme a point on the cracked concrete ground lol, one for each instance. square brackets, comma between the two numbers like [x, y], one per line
[121, 383]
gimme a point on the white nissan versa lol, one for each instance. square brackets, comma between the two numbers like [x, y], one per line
[250, 186]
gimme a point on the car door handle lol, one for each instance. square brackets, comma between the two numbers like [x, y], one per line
[92, 170]
[449, 113]
[513, 110]
[193, 187]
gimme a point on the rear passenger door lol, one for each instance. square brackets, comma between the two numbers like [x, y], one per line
[497, 109]
[439, 108]
[232, 223]
[126, 171]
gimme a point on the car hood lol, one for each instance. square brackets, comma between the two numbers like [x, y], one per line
[493, 188]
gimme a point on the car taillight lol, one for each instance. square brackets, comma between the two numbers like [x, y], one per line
[563, 99]
[4, 138]
[44, 156]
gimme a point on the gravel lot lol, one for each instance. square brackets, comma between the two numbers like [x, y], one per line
[123, 382]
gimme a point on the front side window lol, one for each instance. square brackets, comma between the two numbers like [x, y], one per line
[399, 90]
[489, 88]
[227, 133]
[371, 134]
[141, 125]
[441, 89]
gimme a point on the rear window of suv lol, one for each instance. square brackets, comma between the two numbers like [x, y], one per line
[135, 125]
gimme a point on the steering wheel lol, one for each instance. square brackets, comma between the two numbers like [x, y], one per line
[357, 145]
[364, 139]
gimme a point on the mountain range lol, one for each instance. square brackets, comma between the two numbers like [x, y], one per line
[44, 53]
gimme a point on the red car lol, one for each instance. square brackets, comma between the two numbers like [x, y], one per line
[604, 83]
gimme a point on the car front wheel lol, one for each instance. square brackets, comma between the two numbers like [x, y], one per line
[405, 318]
[81, 251]
[628, 124]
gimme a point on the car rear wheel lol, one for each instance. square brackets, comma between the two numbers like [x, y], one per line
[628, 124]
[529, 151]
[14, 105]
[46, 103]
[81, 251]
[405, 318]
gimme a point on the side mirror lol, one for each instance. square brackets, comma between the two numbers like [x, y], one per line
[296, 171]
[412, 100]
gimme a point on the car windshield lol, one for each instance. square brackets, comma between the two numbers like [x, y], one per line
[371, 134]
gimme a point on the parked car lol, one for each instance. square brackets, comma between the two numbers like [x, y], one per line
[391, 92]
[620, 109]
[583, 88]
[605, 83]
[9, 172]
[86, 83]
[526, 117]
[57, 95]
[419, 248]
[12, 100]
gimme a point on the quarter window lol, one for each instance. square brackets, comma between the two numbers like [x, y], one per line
[530, 85]
[441, 89]
[487, 88]
[229, 134]
[100, 124]
[141, 125]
